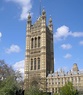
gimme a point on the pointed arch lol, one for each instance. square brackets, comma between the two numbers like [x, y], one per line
[38, 63]
[38, 41]
[34, 63]
[35, 42]
[32, 43]
[31, 64]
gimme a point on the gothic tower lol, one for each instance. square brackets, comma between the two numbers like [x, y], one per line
[39, 60]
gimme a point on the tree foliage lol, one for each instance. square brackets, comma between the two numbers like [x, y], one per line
[34, 91]
[56, 94]
[9, 79]
[5, 70]
[8, 86]
[68, 89]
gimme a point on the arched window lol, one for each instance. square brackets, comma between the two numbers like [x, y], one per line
[31, 64]
[38, 41]
[38, 63]
[35, 42]
[32, 43]
[34, 63]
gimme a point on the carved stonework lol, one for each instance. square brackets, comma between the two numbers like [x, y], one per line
[39, 59]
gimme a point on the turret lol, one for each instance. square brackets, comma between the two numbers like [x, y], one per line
[29, 19]
[75, 67]
[29, 22]
[50, 25]
[43, 13]
[43, 16]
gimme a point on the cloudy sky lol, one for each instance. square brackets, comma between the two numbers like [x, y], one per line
[67, 18]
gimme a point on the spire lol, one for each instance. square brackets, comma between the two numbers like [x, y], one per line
[29, 18]
[43, 12]
[50, 20]
[50, 24]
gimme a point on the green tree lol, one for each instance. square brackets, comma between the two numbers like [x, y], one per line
[56, 94]
[8, 86]
[9, 79]
[68, 89]
[5, 70]
[34, 91]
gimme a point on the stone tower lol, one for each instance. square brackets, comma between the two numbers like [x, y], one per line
[39, 60]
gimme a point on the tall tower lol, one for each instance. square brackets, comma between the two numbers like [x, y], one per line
[39, 59]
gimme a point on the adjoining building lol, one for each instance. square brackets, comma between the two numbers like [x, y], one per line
[58, 79]
[39, 60]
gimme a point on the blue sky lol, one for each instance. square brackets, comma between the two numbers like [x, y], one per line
[67, 18]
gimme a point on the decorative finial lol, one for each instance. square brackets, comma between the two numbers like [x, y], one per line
[29, 16]
[43, 12]
[50, 20]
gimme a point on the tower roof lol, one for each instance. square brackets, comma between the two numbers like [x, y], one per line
[50, 20]
[29, 16]
[43, 11]
[75, 67]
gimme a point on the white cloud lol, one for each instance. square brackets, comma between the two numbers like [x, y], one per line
[25, 6]
[13, 49]
[68, 56]
[19, 66]
[66, 46]
[64, 31]
[81, 43]
[76, 34]
[0, 34]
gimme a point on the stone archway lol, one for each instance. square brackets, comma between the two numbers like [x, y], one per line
[34, 83]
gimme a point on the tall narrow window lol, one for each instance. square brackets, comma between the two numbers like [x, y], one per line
[32, 43]
[38, 41]
[31, 64]
[38, 63]
[35, 42]
[53, 90]
[34, 63]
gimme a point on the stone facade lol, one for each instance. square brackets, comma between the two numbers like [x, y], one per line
[58, 79]
[39, 59]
